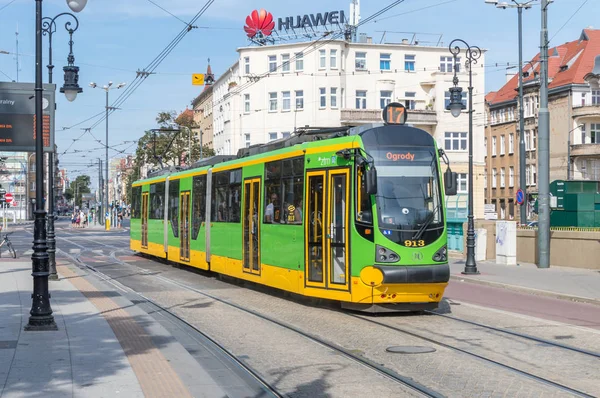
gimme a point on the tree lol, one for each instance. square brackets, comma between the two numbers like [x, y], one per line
[77, 188]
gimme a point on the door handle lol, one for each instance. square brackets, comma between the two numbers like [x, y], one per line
[331, 231]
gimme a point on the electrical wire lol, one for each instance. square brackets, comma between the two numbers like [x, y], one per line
[6, 5]
[168, 12]
[416, 10]
[568, 20]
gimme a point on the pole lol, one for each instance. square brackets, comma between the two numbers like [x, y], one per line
[543, 151]
[51, 241]
[470, 265]
[41, 312]
[522, 155]
[106, 165]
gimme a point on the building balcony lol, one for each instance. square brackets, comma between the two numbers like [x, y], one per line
[586, 110]
[364, 116]
[585, 150]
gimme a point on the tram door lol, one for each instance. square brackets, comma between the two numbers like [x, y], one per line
[327, 211]
[145, 220]
[184, 226]
[251, 226]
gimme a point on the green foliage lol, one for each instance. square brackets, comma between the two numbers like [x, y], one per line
[78, 187]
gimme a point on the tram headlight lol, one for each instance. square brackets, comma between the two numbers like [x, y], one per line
[441, 255]
[383, 255]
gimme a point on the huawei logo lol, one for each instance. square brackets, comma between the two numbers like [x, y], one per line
[259, 22]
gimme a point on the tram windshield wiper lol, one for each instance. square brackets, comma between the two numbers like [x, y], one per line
[426, 224]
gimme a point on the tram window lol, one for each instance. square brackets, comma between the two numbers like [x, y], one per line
[136, 202]
[226, 196]
[363, 199]
[174, 207]
[284, 191]
[198, 204]
[157, 197]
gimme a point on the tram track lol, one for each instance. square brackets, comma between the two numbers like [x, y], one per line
[372, 365]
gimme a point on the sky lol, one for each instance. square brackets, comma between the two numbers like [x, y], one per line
[116, 38]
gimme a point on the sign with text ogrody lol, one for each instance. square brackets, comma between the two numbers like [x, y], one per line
[17, 117]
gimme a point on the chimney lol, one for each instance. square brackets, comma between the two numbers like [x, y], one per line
[369, 40]
[404, 41]
[509, 74]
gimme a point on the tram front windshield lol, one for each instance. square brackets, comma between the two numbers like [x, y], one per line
[408, 193]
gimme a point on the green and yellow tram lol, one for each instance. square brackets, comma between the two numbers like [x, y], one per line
[354, 215]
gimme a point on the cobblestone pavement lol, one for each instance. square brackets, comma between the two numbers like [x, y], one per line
[298, 366]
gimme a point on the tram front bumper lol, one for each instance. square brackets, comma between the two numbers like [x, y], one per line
[414, 273]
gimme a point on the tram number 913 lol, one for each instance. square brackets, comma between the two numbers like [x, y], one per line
[414, 243]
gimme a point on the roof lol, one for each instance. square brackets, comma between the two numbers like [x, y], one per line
[568, 64]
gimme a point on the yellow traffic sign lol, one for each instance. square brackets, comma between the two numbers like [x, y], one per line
[198, 79]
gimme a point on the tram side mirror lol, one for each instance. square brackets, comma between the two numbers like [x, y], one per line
[450, 182]
[371, 181]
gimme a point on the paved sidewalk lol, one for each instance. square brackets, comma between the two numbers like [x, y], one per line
[559, 282]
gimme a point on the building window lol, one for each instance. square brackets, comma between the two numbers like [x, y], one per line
[285, 62]
[511, 143]
[333, 59]
[272, 63]
[360, 61]
[447, 99]
[455, 141]
[502, 146]
[322, 59]
[333, 100]
[493, 146]
[594, 133]
[299, 62]
[409, 63]
[247, 65]
[322, 97]
[583, 134]
[385, 61]
[463, 183]
[527, 142]
[247, 139]
[272, 102]
[410, 103]
[533, 134]
[533, 175]
[385, 97]
[299, 99]
[595, 97]
[272, 136]
[247, 103]
[361, 99]
[285, 100]
[511, 177]
[446, 64]
[285, 134]
[527, 175]
[494, 177]
[502, 177]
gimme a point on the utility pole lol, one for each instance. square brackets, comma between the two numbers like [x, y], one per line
[100, 196]
[544, 149]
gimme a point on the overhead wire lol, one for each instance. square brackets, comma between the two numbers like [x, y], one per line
[568, 20]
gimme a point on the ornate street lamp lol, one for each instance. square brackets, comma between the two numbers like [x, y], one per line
[455, 107]
[41, 317]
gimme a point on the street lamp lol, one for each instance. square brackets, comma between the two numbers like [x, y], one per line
[522, 161]
[455, 107]
[41, 312]
[106, 88]
[70, 89]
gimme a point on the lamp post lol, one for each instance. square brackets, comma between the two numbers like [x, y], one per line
[107, 88]
[522, 161]
[41, 317]
[70, 89]
[455, 107]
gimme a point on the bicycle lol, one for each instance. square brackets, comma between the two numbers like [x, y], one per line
[9, 245]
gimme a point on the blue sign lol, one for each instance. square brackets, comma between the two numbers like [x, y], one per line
[520, 197]
[387, 232]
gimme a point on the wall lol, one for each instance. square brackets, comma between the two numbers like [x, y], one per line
[567, 248]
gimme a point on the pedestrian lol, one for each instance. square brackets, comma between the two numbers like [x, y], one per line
[120, 220]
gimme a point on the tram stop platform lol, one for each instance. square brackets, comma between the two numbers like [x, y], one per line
[575, 284]
[105, 345]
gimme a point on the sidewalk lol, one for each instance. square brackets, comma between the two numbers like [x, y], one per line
[559, 282]
[105, 345]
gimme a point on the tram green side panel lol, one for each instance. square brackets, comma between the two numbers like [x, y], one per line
[135, 229]
[282, 245]
[156, 231]
[226, 240]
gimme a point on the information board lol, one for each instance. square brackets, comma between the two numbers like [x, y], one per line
[17, 117]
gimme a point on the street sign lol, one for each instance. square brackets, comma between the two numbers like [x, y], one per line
[8, 197]
[15, 203]
[198, 79]
[520, 197]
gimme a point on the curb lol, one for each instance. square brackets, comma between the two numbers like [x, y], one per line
[528, 290]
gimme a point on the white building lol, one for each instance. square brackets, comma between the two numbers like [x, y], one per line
[272, 90]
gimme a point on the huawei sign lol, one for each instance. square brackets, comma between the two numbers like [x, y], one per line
[259, 22]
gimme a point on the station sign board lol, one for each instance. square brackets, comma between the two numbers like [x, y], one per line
[17, 117]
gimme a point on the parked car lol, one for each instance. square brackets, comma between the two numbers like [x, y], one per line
[532, 224]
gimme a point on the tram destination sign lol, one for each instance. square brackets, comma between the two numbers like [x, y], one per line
[17, 117]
